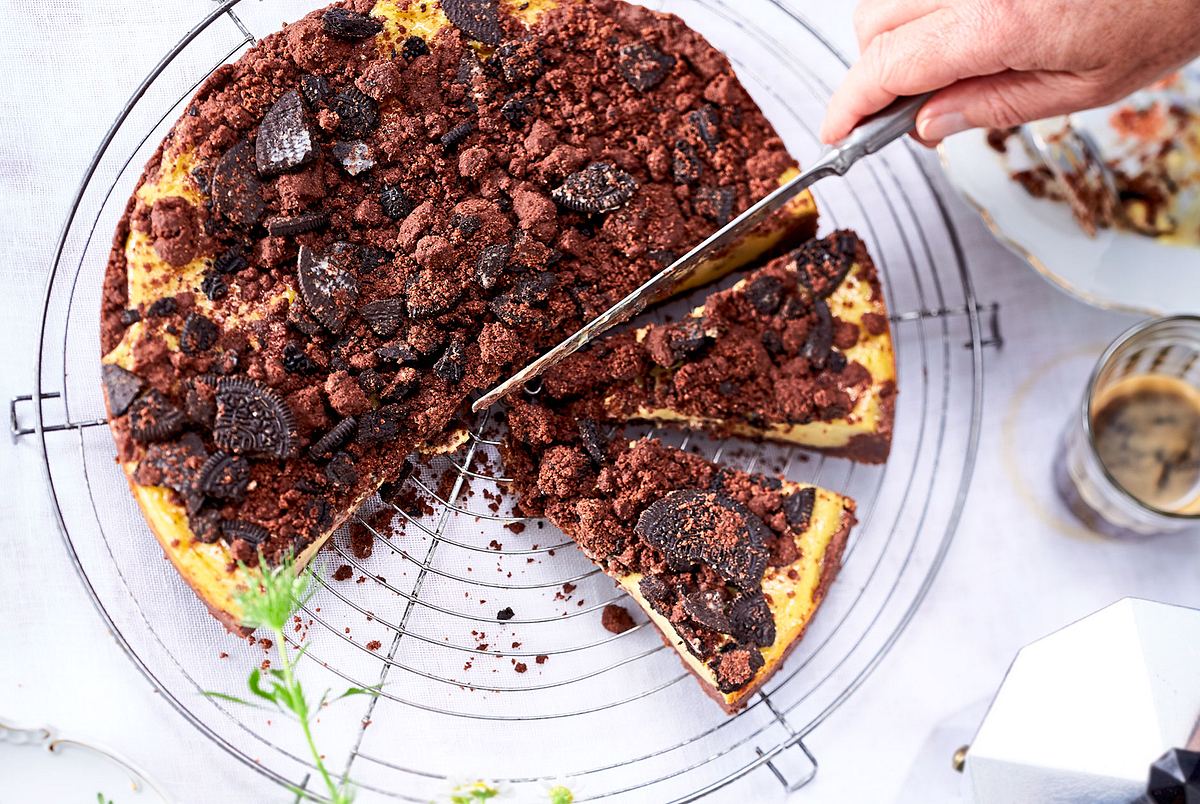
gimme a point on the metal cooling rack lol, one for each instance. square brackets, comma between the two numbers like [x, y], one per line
[612, 716]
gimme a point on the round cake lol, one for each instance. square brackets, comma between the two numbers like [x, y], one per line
[375, 214]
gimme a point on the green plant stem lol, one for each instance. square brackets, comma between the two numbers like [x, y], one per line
[290, 680]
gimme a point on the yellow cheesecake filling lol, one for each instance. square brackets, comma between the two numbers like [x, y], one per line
[850, 302]
[792, 592]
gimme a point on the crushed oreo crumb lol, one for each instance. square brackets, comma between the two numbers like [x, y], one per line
[600, 187]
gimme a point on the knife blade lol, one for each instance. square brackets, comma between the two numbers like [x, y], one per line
[868, 137]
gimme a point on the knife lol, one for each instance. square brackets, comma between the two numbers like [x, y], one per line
[869, 136]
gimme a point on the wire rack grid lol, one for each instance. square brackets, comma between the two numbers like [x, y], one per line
[547, 695]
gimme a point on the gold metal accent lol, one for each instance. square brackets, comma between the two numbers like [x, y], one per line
[960, 758]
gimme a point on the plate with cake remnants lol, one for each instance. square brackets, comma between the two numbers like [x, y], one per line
[1139, 254]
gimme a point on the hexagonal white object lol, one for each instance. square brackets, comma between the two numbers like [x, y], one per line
[1083, 712]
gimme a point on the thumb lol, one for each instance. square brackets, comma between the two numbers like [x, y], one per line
[1003, 100]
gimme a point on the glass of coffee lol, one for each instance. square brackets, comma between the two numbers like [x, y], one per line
[1129, 461]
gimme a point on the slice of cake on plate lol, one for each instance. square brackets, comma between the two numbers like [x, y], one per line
[730, 566]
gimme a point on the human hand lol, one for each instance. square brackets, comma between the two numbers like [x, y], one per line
[999, 63]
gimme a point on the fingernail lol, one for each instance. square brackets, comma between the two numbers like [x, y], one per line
[935, 128]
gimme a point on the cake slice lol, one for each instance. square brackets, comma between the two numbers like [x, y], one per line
[799, 351]
[376, 213]
[729, 566]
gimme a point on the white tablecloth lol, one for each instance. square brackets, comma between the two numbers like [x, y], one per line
[1017, 570]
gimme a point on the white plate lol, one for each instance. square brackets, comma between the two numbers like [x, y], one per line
[38, 765]
[1114, 270]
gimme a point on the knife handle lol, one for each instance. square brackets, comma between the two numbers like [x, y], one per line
[873, 133]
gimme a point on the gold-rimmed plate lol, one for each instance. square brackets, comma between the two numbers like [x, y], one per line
[1115, 269]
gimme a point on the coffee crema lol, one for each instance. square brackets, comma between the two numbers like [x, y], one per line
[1146, 431]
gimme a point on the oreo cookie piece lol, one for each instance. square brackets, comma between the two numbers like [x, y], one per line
[414, 47]
[692, 526]
[467, 225]
[198, 335]
[285, 140]
[295, 361]
[173, 464]
[230, 261]
[236, 189]
[823, 264]
[395, 202]
[533, 289]
[224, 477]
[384, 316]
[657, 593]
[451, 366]
[837, 361]
[401, 384]
[399, 353]
[252, 419]
[765, 294]
[594, 444]
[382, 424]
[454, 137]
[315, 88]
[161, 308]
[205, 526]
[716, 203]
[327, 444]
[708, 609]
[478, 19]
[798, 508]
[751, 620]
[516, 109]
[491, 264]
[152, 418]
[340, 471]
[599, 187]
[121, 387]
[200, 400]
[644, 66]
[520, 62]
[288, 225]
[707, 125]
[342, 23]
[328, 290]
[354, 156]
[390, 489]
[820, 338]
[364, 258]
[672, 344]
[246, 531]
[358, 113]
[214, 286]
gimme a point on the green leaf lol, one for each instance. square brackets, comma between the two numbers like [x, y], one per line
[254, 682]
[231, 698]
[372, 690]
[561, 795]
